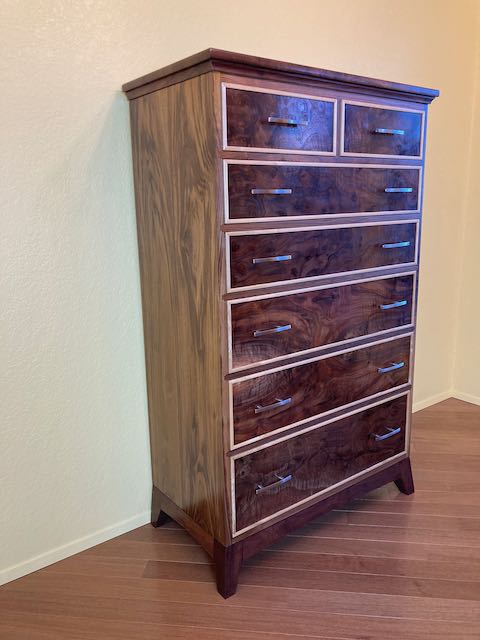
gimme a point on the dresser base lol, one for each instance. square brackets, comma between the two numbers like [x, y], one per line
[229, 559]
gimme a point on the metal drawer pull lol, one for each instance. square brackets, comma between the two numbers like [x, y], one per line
[393, 367]
[275, 405]
[288, 121]
[271, 192]
[264, 332]
[396, 245]
[386, 436]
[393, 305]
[281, 480]
[271, 259]
[399, 190]
[391, 132]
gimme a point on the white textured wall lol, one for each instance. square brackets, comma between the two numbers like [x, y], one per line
[74, 446]
[466, 378]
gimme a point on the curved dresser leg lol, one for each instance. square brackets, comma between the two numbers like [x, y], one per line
[405, 480]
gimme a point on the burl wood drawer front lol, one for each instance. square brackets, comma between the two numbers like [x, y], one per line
[384, 132]
[274, 401]
[289, 191]
[276, 477]
[260, 120]
[272, 327]
[259, 258]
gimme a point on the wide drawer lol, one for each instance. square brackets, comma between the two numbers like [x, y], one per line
[281, 475]
[286, 191]
[270, 402]
[260, 120]
[382, 131]
[273, 327]
[258, 258]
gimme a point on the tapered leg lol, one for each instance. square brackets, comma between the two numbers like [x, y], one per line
[228, 561]
[405, 480]
[158, 517]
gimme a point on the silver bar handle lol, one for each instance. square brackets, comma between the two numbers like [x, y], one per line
[269, 407]
[393, 305]
[271, 192]
[386, 436]
[399, 190]
[281, 480]
[290, 122]
[396, 245]
[271, 259]
[393, 367]
[264, 332]
[391, 132]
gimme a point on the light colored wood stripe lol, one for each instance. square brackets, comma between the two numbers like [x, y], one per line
[391, 534]
[242, 619]
[262, 597]
[150, 551]
[459, 570]
[360, 548]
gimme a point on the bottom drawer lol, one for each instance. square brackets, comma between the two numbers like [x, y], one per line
[278, 476]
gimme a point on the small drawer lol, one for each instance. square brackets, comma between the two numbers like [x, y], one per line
[382, 131]
[292, 191]
[278, 476]
[260, 258]
[274, 327]
[277, 121]
[267, 403]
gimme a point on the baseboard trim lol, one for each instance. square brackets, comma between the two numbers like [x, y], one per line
[466, 397]
[69, 549]
[102, 535]
[428, 402]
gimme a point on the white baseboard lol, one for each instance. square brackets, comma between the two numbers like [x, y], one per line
[66, 550]
[438, 397]
[467, 397]
[81, 544]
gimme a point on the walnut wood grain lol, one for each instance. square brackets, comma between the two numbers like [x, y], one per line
[362, 121]
[315, 460]
[180, 244]
[317, 318]
[316, 387]
[309, 254]
[248, 126]
[318, 190]
[177, 132]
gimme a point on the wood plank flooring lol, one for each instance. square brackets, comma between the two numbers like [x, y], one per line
[386, 566]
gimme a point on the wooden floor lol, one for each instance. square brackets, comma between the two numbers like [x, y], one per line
[389, 567]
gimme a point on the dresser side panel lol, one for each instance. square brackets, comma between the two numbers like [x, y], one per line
[175, 137]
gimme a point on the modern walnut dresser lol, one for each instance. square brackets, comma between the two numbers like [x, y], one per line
[278, 214]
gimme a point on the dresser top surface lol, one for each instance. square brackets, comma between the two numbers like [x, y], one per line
[231, 62]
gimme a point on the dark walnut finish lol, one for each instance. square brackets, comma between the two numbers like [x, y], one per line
[244, 65]
[173, 250]
[316, 460]
[317, 318]
[376, 131]
[202, 339]
[318, 191]
[271, 121]
[312, 389]
[257, 259]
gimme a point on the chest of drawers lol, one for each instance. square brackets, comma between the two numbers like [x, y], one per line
[278, 216]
